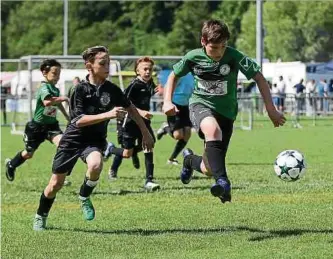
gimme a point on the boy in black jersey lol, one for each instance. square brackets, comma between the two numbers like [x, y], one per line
[140, 90]
[93, 103]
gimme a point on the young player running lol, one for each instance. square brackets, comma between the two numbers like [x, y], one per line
[94, 102]
[44, 124]
[213, 105]
[140, 91]
[179, 125]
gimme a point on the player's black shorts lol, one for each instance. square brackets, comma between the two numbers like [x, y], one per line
[66, 158]
[199, 111]
[36, 133]
[131, 134]
[181, 119]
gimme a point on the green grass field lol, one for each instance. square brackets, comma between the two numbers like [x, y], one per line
[268, 218]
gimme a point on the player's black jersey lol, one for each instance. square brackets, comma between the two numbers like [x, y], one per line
[89, 99]
[140, 93]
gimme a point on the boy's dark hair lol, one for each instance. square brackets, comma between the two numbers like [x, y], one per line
[215, 31]
[143, 59]
[48, 63]
[89, 54]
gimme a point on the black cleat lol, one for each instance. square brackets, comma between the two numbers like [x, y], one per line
[222, 190]
[161, 131]
[10, 170]
[186, 173]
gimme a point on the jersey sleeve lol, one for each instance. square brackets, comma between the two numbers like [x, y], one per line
[77, 100]
[120, 98]
[181, 68]
[246, 65]
[44, 92]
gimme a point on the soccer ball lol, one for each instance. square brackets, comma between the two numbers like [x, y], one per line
[289, 165]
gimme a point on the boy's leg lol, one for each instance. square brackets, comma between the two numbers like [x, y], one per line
[34, 135]
[117, 160]
[135, 158]
[92, 156]
[181, 130]
[150, 185]
[63, 163]
[218, 131]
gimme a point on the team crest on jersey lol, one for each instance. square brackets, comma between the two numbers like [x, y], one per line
[225, 69]
[198, 70]
[105, 99]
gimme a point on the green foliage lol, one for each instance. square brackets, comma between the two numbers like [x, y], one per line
[185, 34]
[35, 31]
[293, 30]
[232, 13]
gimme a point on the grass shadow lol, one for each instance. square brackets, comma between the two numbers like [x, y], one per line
[264, 234]
[245, 163]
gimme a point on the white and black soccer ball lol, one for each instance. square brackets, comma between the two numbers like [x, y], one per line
[289, 165]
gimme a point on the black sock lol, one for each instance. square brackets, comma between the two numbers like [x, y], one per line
[87, 187]
[117, 160]
[194, 162]
[45, 205]
[137, 149]
[178, 148]
[149, 166]
[117, 151]
[216, 158]
[17, 160]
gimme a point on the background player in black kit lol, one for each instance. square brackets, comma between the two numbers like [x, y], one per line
[94, 102]
[139, 92]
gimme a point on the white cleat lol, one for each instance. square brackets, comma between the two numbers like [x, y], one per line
[151, 186]
[172, 162]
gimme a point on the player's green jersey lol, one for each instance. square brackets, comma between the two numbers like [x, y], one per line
[216, 81]
[43, 114]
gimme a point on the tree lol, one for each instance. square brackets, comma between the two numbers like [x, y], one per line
[232, 13]
[293, 31]
[185, 34]
[36, 31]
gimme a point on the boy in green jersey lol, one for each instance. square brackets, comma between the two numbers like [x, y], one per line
[44, 124]
[213, 104]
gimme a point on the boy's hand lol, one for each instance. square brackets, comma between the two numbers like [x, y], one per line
[170, 109]
[276, 117]
[147, 142]
[65, 99]
[146, 114]
[117, 112]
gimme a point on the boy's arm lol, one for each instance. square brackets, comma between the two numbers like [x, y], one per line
[276, 117]
[147, 139]
[87, 120]
[63, 111]
[50, 101]
[168, 107]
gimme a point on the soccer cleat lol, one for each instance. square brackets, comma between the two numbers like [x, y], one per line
[186, 173]
[136, 161]
[222, 189]
[150, 186]
[161, 131]
[87, 209]
[172, 162]
[39, 223]
[112, 175]
[10, 170]
[107, 151]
